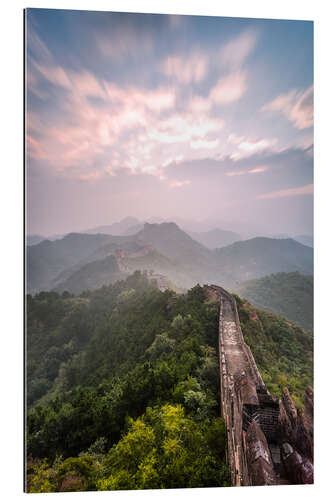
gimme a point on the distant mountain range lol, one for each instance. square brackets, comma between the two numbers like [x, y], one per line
[34, 239]
[305, 239]
[77, 261]
[115, 229]
[92, 276]
[207, 233]
[258, 257]
[289, 295]
[48, 259]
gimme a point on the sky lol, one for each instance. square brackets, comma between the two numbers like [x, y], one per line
[200, 118]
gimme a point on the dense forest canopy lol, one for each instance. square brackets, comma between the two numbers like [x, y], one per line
[123, 390]
[123, 385]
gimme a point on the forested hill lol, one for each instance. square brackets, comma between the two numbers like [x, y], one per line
[123, 390]
[283, 351]
[257, 257]
[289, 295]
[123, 386]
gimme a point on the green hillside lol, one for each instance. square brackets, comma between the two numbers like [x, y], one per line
[49, 258]
[93, 275]
[123, 390]
[258, 257]
[287, 294]
[282, 350]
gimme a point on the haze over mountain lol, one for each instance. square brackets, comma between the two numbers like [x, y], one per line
[92, 276]
[289, 295]
[46, 260]
[34, 239]
[216, 238]
[209, 232]
[305, 239]
[116, 229]
[163, 248]
[258, 257]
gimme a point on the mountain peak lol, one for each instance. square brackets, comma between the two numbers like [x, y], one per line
[163, 226]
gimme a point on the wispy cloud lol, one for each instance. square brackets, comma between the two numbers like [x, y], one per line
[234, 173]
[235, 52]
[183, 128]
[232, 85]
[247, 146]
[296, 105]
[298, 191]
[198, 104]
[123, 41]
[185, 70]
[229, 88]
[256, 170]
[178, 184]
[202, 144]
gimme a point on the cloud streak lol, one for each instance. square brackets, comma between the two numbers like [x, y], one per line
[186, 70]
[296, 106]
[235, 52]
[283, 193]
[229, 88]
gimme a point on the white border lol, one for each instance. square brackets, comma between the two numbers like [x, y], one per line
[11, 211]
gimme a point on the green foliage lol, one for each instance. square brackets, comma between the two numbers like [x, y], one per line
[162, 344]
[283, 351]
[107, 357]
[165, 449]
[72, 474]
[287, 294]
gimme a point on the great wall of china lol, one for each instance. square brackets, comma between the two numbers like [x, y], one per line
[270, 442]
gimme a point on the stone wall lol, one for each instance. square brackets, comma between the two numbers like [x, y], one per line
[269, 441]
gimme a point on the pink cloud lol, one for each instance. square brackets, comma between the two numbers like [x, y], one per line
[178, 184]
[198, 104]
[296, 105]
[91, 128]
[204, 144]
[299, 191]
[186, 70]
[235, 52]
[184, 128]
[249, 146]
[252, 146]
[54, 74]
[258, 170]
[90, 176]
[234, 173]
[157, 100]
[33, 148]
[229, 88]
[235, 139]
